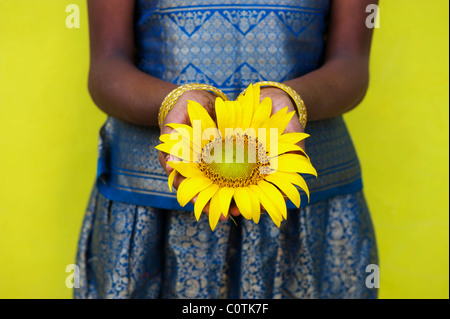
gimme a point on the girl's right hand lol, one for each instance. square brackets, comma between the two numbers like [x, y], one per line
[179, 114]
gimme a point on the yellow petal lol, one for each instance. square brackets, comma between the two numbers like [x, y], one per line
[295, 163]
[178, 150]
[247, 105]
[292, 138]
[171, 137]
[230, 109]
[237, 114]
[252, 95]
[262, 113]
[190, 187]
[275, 196]
[203, 198]
[267, 204]
[255, 205]
[182, 129]
[249, 95]
[286, 187]
[256, 94]
[214, 211]
[243, 202]
[279, 120]
[274, 118]
[186, 169]
[171, 178]
[188, 134]
[284, 148]
[221, 115]
[177, 144]
[225, 196]
[197, 112]
[293, 178]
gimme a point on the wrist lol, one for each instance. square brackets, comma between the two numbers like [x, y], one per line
[271, 91]
[205, 98]
[173, 97]
[298, 102]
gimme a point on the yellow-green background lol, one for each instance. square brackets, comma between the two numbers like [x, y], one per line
[48, 139]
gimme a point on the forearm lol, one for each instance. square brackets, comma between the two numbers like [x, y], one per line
[335, 88]
[123, 91]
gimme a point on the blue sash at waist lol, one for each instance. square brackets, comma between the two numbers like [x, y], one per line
[129, 170]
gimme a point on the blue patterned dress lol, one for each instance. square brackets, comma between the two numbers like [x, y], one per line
[137, 242]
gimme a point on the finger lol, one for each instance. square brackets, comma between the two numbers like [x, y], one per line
[234, 210]
[294, 124]
[178, 114]
[296, 130]
[177, 180]
[163, 158]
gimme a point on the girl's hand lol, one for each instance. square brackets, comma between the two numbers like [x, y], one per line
[179, 114]
[281, 99]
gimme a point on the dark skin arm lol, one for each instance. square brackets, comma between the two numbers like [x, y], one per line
[116, 85]
[341, 83]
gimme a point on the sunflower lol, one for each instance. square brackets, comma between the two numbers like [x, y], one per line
[247, 157]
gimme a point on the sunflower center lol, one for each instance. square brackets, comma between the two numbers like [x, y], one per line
[236, 161]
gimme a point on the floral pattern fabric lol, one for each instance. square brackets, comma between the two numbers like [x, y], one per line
[321, 251]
